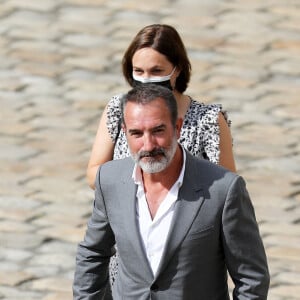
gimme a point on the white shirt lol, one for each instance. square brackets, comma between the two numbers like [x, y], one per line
[154, 232]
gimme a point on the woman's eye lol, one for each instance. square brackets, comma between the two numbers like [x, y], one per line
[156, 72]
[138, 72]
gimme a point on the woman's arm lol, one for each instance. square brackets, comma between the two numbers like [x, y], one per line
[102, 150]
[226, 159]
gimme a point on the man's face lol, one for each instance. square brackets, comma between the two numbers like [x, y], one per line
[151, 138]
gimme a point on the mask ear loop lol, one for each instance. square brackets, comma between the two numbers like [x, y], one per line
[173, 87]
[171, 74]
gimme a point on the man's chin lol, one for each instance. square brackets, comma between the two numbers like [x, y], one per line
[152, 167]
[155, 157]
[150, 159]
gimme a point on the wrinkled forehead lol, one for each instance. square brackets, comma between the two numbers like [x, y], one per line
[151, 113]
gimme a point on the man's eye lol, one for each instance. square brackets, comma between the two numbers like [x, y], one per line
[136, 134]
[158, 130]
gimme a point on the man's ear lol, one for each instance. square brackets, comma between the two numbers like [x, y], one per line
[178, 126]
[123, 127]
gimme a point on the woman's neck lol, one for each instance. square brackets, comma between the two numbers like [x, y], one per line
[183, 103]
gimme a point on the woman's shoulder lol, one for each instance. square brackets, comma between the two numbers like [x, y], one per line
[113, 112]
[201, 106]
[114, 105]
[200, 111]
[114, 101]
[206, 112]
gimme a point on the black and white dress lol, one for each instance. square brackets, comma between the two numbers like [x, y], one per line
[200, 135]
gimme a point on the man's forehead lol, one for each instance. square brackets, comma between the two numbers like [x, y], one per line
[157, 102]
[149, 114]
[155, 107]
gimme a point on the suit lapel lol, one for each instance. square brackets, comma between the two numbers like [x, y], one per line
[190, 199]
[129, 190]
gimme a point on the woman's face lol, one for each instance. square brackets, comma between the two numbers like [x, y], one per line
[147, 63]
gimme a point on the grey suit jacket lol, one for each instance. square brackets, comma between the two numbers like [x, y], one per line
[213, 231]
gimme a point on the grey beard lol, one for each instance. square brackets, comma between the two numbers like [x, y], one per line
[153, 165]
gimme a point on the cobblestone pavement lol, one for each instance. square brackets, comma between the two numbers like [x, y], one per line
[59, 65]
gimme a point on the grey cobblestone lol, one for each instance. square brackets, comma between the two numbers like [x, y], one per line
[60, 64]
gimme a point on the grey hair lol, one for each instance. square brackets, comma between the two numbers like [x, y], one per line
[145, 93]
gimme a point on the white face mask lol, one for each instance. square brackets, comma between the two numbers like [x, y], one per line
[161, 80]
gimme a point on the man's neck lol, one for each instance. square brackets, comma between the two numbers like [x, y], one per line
[157, 185]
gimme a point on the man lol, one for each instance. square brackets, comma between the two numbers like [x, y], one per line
[180, 223]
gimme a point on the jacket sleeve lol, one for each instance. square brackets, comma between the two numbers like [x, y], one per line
[244, 251]
[94, 252]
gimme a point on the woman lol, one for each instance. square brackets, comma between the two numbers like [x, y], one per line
[158, 55]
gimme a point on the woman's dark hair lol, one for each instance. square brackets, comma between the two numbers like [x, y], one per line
[166, 40]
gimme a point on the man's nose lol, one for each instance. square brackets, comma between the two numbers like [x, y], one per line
[149, 142]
